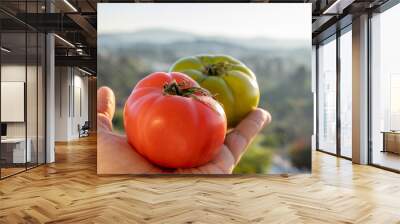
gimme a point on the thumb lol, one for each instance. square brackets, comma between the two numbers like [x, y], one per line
[105, 107]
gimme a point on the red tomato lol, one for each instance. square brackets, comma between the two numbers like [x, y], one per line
[173, 122]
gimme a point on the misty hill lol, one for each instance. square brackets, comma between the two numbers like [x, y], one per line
[154, 36]
[165, 36]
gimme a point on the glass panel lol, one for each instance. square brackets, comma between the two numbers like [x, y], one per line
[346, 94]
[13, 86]
[327, 96]
[394, 102]
[313, 88]
[32, 89]
[23, 90]
[31, 100]
[386, 89]
[41, 98]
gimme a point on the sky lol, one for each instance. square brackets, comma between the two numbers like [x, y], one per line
[243, 20]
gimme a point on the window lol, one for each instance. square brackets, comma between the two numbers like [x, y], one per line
[394, 102]
[314, 92]
[327, 96]
[385, 89]
[346, 93]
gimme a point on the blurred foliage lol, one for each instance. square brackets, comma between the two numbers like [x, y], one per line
[257, 158]
[284, 79]
[300, 155]
[118, 120]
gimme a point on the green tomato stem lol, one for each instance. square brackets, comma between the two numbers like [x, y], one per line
[217, 69]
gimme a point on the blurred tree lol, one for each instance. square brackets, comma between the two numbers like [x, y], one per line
[300, 154]
[257, 158]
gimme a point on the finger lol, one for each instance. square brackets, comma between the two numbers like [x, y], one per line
[103, 123]
[223, 163]
[105, 107]
[106, 102]
[238, 140]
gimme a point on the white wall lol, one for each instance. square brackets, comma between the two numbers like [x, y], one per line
[12, 73]
[61, 103]
[71, 94]
[80, 100]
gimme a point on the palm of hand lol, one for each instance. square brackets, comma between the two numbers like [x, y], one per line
[115, 155]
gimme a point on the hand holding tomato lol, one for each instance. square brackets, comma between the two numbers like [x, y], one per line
[115, 155]
[172, 122]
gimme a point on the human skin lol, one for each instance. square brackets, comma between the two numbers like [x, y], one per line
[116, 156]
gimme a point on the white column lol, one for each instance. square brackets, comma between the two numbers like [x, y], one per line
[360, 89]
[314, 91]
[50, 92]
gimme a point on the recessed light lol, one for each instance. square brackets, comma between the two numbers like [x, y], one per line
[337, 7]
[70, 5]
[5, 50]
[65, 41]
[84, 71]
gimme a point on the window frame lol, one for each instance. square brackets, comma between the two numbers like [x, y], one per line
[333, 37]
[29, 29]
[379, 10]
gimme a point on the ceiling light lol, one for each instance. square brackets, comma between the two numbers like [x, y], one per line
[70, 5]
[337, 7]
[79, 51]
[5, 50]
[84, 71]
[65, 41]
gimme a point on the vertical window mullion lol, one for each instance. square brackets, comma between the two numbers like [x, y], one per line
[26, 86]
[317, 95]
[369, 91]
[37, 90]
[338, 80]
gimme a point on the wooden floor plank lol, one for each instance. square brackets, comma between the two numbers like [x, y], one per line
[69, 191]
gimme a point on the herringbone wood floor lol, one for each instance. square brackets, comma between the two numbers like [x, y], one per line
[69, 191]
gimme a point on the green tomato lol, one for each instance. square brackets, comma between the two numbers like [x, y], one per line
[233, 83]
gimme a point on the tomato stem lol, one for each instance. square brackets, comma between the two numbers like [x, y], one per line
[182, 89]
[217, 69]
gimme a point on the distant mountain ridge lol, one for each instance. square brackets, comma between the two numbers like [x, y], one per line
[165, 36]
